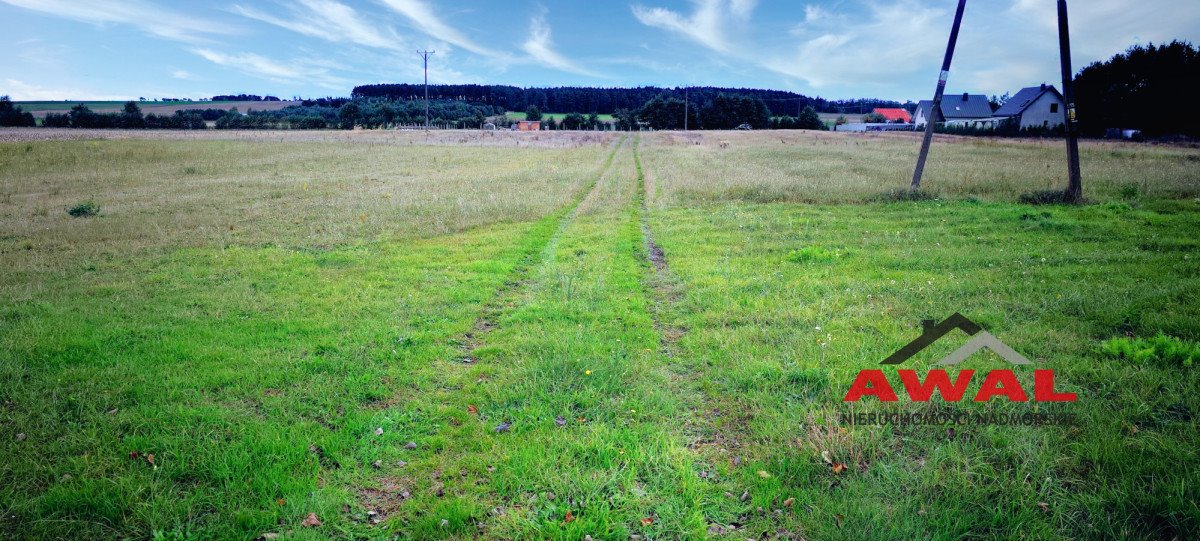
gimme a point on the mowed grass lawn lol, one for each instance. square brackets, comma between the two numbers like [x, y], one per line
[645, 336]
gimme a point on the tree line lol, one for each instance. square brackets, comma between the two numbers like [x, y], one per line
[586, 100]
[723, 112]
[12, 115]
[1146, 88]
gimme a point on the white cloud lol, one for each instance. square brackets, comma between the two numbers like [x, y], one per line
[22, 91]
[540, 48]
[289, 73]
[1101, 28]
[328, 20]
[143, 15]
[705, 26]
[428, 22]
[183, 75]
[887, 41]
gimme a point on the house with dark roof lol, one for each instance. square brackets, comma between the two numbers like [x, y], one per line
[968, 110]
[894, 115]
[1034, 107]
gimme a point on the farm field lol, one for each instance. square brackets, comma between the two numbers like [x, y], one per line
[521, 336]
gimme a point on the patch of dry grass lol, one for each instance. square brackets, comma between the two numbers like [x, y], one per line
[213, 193]
[839, 167]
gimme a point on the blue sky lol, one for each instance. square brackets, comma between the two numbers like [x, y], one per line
[119, 49]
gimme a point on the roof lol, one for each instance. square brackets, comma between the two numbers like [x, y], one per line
[957, 106]
[1026, 97]
[966, 106]
[893, 115]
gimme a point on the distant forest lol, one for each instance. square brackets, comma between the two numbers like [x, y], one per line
[573, 99]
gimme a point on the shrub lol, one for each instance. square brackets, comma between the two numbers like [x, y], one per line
[84, 209]
[1161, 348]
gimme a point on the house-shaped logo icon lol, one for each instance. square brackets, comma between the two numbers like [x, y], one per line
[979, 339]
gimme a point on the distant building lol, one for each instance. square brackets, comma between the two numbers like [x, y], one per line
[529, 125]
[895, 115]
[967, 110]
[1034, 107]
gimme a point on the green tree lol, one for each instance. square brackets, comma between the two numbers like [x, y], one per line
[626, 119]
[809, 120]
[131, 116]
[874, 118]
[11, 115]
[667, 113]
[533, 113]
[730, 111]
[573, 121]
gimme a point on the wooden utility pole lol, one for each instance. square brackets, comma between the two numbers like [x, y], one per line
[936, 109]
[425, 58]
[685, 109]
[1075, 177]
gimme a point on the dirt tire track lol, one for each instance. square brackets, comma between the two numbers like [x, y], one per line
[520, 276]
[388, 496]
[707, 435]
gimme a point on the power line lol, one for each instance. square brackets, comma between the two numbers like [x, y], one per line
[425, 58]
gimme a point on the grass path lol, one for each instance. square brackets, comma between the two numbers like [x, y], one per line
[568, 422]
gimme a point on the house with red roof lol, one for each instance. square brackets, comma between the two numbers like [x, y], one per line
[895, 115]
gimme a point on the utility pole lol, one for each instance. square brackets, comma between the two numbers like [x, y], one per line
[425, 57]
[1075, 181]
[936, 109]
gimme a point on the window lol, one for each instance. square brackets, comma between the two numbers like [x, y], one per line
[1053, 107]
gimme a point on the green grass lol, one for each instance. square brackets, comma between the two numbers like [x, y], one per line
[285, 370]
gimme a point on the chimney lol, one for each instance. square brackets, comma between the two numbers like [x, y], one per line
[965, 96]
[1043, 86]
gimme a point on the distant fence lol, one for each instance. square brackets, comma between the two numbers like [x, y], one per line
[861, 127]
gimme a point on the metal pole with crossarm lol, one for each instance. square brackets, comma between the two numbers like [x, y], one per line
[936, 108]
[425, 57]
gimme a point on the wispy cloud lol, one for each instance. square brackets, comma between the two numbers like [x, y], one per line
[423, 17]
[832, 48]
[147, 17]
[328, 20]
[540, 47]
[887, 40]
[183, 75]
[290, 72]
[23, 91]
[707, 25]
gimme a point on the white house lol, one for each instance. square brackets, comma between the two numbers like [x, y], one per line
[1034, 107]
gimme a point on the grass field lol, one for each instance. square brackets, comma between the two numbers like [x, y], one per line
[554, 338]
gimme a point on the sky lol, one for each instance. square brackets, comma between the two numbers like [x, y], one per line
[837, 49]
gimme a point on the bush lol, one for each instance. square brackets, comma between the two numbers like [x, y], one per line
[84, 209]
[1161, 348]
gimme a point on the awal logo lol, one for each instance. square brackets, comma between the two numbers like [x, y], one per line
[1002, 383]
